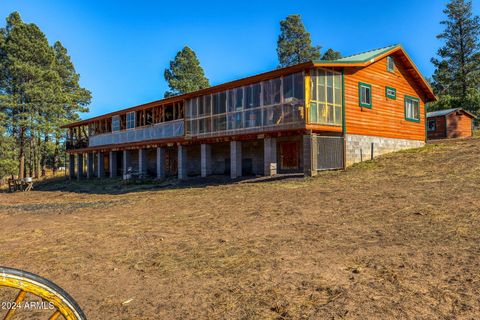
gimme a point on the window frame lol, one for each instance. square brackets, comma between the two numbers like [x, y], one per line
[434, 125]
[407, 97]
[126, 120]
[390, 64]
[117, 117]
[394, 97]
[360, 103]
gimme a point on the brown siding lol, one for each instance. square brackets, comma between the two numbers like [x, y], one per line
[439, 132]
[386, 118]
[459, 125]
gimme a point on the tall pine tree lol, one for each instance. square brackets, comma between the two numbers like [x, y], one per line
[456, 79]
[331, 54]
[185, 74]
[294, 44]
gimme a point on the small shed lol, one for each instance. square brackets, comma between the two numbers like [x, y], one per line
[450, 123]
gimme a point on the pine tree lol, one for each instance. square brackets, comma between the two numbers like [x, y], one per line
[294, 44]
[39, 92]
[331, 54]
[457, 76]
[185, 74]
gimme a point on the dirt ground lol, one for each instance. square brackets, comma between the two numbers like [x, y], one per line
[396, 238]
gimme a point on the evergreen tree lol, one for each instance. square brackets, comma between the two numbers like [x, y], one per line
[294, 44]
[185, 74]
[39, 92]
[331, 54]
[457, 76]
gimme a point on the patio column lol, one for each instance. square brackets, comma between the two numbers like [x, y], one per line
[79, 166]
[160, 163]
[270, 156]
[310, 153]
[71, 166]
[182, 162]
[113, 163]
[90, 160]
[206, 159]
[142, 161]
[126, 161]
[235, 159]
[100, 165]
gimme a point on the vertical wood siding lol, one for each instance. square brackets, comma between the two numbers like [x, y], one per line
[386, 118]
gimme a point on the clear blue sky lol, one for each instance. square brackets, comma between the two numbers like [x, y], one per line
[121, 48]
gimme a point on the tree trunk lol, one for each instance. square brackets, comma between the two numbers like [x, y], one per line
[56, 155]
[21, 155]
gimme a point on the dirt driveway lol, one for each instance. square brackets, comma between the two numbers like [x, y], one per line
[396, 238]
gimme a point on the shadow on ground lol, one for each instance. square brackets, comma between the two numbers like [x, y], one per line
[118, 186]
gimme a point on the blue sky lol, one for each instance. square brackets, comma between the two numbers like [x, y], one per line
[121, 48]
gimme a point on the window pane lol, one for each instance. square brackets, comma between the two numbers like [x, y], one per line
[298, 87]
[288, 88]
[253, 118]
[313, 87]
[313, 113]
[231, 100]
[239, 98]
[276, 85]
[223, 102]
[208, 104]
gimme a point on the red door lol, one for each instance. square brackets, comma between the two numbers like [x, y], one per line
[289, 155]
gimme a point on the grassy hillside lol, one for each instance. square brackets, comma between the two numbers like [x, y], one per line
[393, 238]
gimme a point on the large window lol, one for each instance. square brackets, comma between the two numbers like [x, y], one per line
[115, 123]
[271, 102]
[412, 109]
[326, 97]
[130, 120]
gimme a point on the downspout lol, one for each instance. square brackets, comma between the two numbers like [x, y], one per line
[344, 122]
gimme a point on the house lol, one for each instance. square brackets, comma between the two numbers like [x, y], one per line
[451, 123]
[308, 117]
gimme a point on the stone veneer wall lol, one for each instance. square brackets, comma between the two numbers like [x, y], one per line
[359, 148]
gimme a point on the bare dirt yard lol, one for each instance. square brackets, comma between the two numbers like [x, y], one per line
[394, 238]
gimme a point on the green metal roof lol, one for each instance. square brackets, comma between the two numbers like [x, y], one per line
[360, 57]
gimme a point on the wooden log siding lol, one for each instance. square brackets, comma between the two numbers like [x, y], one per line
[386, 118]
[440, 129]
[459, 125]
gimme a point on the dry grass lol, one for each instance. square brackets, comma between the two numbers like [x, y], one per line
[393, 238]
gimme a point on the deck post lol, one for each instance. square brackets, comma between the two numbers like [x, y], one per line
[71, 166]
[79, 166]
[113, 164]
[206, 159]
[100, 165]
[160, 163]
[90, 160]
[142, 161]
[235, 159]
[182, 162]
[126, 161]
[310, 155]
[270, 156]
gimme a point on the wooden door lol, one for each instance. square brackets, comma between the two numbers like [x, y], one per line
[289, 155]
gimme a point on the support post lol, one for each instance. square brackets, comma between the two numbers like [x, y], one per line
[126, 162]
[71, 166]
[206, 159]
[160, 163]
[113, 164]
[90, 161]
[100, 165]
[270, 156]
[310, 155]
[182, 162]
[142, 161]
[79, 166]
[235, 159]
